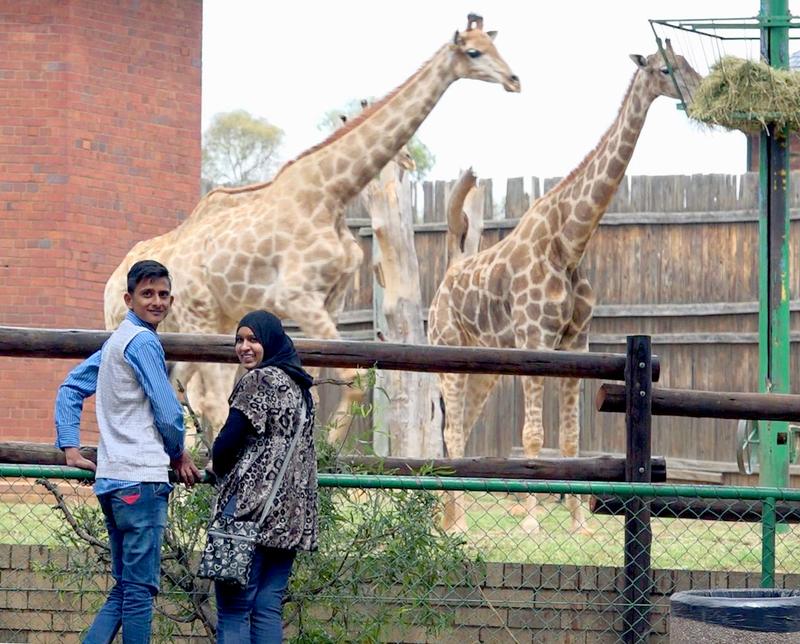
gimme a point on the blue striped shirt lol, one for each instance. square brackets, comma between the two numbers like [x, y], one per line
[145, 355]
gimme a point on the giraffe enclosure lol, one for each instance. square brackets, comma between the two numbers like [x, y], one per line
[675, 257]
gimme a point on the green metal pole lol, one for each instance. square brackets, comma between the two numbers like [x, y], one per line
[768, 527]
[386, 481]
[774, 258]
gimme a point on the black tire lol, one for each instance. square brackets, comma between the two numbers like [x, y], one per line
[763, 610]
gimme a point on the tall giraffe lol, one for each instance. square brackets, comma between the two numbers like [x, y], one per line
[403, 158]
[284, 245]
[529, 290]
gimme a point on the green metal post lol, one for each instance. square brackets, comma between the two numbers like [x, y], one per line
[774, 341]
[774, 258]
[768, 527]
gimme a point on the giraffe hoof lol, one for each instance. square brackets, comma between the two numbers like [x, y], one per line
[583, 530]
[539, 511]
[531, 525]
[518, 510]
[453, 524]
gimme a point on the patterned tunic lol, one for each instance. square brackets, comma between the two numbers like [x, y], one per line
[273, 403]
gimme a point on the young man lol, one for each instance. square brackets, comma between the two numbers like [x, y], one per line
[141, 435]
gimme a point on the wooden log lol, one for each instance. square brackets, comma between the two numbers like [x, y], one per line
[18, 453]
[409, 414]
[72, 343]
[597, 468]
[706, 404]
[704, 509]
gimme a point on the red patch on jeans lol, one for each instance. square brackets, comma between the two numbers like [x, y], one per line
[130, 499]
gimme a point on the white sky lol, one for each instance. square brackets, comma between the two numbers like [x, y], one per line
[292, 61]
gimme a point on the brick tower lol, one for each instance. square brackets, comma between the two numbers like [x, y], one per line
[99, 148]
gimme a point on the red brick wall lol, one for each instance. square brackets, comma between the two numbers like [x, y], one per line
[99, 148]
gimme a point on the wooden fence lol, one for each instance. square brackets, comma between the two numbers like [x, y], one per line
[675, 257]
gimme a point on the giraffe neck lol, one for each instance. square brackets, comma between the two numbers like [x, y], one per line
[576, 205]
[359, 150]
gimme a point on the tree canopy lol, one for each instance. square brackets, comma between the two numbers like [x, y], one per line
[239, 148]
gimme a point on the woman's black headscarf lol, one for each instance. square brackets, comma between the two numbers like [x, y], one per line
[279, 349]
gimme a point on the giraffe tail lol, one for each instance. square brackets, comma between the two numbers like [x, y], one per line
[441, 428]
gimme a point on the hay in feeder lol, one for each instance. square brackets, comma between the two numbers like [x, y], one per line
[746, 95]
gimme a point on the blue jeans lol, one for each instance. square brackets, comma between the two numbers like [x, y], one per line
[135, 519]
[255, 614]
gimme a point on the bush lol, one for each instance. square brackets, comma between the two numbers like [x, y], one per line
[383, 562]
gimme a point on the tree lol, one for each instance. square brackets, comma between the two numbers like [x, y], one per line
[332, 120]
[239, 148]
[423, 158]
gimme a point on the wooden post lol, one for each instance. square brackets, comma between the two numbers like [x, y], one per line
[638, 533]
[410, 417]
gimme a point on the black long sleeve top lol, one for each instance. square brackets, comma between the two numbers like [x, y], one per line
[231, 440]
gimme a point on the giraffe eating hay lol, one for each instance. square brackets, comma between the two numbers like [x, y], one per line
[284, 245]
[529, 291]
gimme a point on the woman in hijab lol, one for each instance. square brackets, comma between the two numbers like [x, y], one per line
[271, 416]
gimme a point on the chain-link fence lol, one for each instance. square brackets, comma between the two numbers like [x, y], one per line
[387, 571]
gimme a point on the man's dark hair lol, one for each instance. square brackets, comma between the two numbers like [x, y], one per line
[147, 269]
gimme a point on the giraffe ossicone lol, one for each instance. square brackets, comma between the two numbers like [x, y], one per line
[284, 245]
[528, 290]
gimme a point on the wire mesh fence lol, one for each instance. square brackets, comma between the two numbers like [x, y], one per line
[388, 571]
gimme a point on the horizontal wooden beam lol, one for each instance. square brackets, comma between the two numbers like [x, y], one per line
[38, 454]
[679, 309]
[19, 453]
[653, 310]
[71, 343]
[677, 218]
[705, 509]
[706, 404]
[687, 338]
[597, 468]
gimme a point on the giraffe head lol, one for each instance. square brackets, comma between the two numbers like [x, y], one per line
[476, 56]
[681, 83]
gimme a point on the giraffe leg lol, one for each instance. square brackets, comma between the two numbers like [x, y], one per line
[476, 388]
[532, 440]
[453, 386]
[184, 373]
[207, 386]
[308, 310]
[568, 436]
[217, 382]
[576, 338]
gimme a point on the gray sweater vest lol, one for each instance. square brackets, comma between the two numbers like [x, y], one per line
[130, 446]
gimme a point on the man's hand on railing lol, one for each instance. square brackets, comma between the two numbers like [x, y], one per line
[186, 470]
[75, 459]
